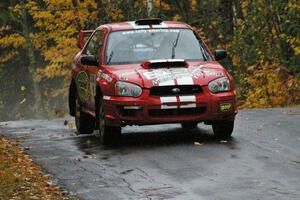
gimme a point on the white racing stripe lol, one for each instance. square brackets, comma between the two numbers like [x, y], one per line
[190, 105]
[168, 107]
[185, 81]
[169, 82]
[191, 98]
[168, 99]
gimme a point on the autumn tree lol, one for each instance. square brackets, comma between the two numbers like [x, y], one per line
[38, 43]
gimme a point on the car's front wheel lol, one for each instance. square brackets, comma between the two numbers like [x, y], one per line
[108, 135]
[85, 123]
[223, 129]
[189, 125]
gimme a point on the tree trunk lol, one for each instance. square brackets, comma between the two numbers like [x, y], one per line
[238, 9]
[101, 12]
[32, 62]
[226, 13]
[184, 8]
[149, 7]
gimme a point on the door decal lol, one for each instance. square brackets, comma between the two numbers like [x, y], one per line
[83, 85]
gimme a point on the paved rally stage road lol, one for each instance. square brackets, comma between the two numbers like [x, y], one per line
[261, 161]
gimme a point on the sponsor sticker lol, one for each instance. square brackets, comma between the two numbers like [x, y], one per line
[150, 31]
[165, 76]
[83, 85]
[225, 107]
[212, 73]
[103, 75]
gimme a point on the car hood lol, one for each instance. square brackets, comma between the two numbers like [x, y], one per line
[200, 73]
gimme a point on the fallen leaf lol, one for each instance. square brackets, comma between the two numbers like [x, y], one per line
[259, 129]
[66, 122]
[223, 141]
[71, 126]
[26, 148]
[23, 101]
[77, 158]
[198, 144]
[88, 141]
[23, 88]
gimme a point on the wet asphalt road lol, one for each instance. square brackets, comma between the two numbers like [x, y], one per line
[261, 161]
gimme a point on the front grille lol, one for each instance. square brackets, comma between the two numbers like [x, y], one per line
[174, 90]
[177, 112]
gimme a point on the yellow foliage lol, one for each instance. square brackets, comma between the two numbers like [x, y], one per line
[116, 14]
[269, 87]
[193, 4]
[163, 5]
[14, 40]
[297, 50]
[57, 34]
[177, 18]
[7, 56]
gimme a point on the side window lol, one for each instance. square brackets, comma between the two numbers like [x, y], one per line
[94, 47]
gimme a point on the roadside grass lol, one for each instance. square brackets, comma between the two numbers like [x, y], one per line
[20, 178]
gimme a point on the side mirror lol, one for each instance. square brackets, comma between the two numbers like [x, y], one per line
[90, 60]
[220, 54]
[83, 37]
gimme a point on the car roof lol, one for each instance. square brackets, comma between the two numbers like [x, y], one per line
[131, 25]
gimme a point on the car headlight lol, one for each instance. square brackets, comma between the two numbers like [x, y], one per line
[127, 89]
[219, 85]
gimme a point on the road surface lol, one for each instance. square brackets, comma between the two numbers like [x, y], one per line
[261, 161]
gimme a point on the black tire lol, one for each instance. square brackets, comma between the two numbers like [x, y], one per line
[223, 129]
[108, 135]
[189, 125]
[85, 123]
[72, 98]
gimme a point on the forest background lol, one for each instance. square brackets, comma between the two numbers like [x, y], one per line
[38, 41]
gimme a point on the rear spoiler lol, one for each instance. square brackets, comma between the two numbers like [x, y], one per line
[165, 63]
[83, 36]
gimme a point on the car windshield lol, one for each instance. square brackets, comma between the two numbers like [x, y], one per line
[135, 46]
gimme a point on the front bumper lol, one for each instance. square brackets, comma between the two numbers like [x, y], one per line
[205, 106]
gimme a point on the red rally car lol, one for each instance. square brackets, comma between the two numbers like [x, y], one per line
[149, 72]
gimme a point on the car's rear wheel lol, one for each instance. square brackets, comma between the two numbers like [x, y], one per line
[85, 123]
[223, 129]
[189, 125]
[109, 135]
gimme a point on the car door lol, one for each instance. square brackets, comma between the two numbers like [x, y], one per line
[94, 47]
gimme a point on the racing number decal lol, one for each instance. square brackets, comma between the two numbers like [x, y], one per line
[83, 85]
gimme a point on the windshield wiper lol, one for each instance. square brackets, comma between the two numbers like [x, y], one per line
[175, 45]
[110, 57]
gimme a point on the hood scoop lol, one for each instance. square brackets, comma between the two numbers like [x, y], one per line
[166, 63]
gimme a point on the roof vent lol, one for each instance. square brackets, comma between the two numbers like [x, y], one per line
[151, 21]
